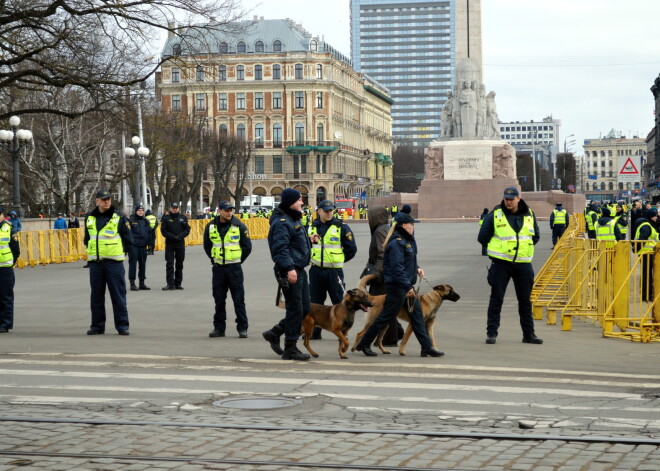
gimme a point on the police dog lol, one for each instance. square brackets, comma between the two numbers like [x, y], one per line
[337, 318]
[430, 303]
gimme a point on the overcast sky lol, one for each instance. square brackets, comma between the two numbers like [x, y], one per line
[589, 63]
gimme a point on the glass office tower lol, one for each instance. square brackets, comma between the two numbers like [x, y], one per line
[408, 46]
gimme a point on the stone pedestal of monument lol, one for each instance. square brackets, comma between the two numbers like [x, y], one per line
[464, 177]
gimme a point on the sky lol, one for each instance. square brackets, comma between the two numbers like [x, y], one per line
[588, 63]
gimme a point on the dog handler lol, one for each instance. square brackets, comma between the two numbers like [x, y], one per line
[510, 233]
[401, 270]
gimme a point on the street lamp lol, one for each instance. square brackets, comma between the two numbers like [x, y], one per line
[569, 143]
[13, 141]
[143, 153]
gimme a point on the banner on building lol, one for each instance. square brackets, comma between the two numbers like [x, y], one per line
[629, 168]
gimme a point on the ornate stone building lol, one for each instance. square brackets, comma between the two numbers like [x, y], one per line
[317, 125]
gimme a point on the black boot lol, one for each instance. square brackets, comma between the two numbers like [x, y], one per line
[272, 336]
[133, 287]
[143, 286]
[292, 353]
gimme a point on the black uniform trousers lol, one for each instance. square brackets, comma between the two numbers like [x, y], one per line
[228, 277]
[394, 331]
[174, 272]
[323, 281]
[137, 258]
[395, 298]
[108, 273]
[7, 281]
[647, 277]
[296, 300]
[499, 274]
[557, 232]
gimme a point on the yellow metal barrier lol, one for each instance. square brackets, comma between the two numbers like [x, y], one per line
[66, 245]
[603, 282]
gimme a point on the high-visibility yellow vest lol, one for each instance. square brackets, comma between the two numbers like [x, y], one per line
[104, 244]
[226, 250]
[395, 209]
[606, 231]
[590, 220]
[560, 216]
[506, 244]
[649, 246]
[303, 219]
[6, 257]
[328, 254]
[245, 215]
[152, 220]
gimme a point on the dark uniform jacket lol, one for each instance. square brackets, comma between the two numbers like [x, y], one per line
[552, 218]
[13, 242]
[288, 241]
[487, 230]
[102, 219]
[175, 229]
[141, 231]
[223, 227]
[644, 232]
[348, 245]
[400, 262]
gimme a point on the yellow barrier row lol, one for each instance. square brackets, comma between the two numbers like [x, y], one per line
[606, 283]
[66, 245]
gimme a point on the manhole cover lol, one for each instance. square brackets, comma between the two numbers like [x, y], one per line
[258, 402]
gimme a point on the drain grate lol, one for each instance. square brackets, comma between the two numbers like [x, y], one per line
[254, 403]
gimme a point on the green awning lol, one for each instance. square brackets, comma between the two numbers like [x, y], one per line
[325, 149]
[379, 157]
[299, 149]
[379, 94]
[387, 160]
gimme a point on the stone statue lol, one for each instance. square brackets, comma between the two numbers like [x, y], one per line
[504, 162]
[457, 128]
[468, 102]
[446, 117]
[433, 163]
[481, 112]
[493, 126]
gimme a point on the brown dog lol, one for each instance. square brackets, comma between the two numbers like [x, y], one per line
[430, 303]
[337, 318]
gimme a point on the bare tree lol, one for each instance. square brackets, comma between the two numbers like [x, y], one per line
[229, 157]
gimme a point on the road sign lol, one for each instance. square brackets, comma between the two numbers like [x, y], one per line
[629, 168]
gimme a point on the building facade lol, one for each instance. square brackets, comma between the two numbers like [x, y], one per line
[540, 138]
[601, 178]
[316, 124]
[411, 47]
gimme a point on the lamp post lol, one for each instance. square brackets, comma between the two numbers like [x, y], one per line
[569, 143]
[533, 137]
[13, 141]
[142, 153]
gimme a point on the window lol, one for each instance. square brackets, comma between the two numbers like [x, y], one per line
[259, 101]
[602, 186]
[300, 134]
[259, 164]
[277, 46]
[175, 74]
[277, 137]
[319, 71]
[277, 164]
[176, 49]
[277, 72]
[258, 72]
[259, 140]
[224, 48]
[200, 101]
[303, 164]
[240, 72]
[259, 47]
[320, 164]
[240, 132]
[313, 46]
[223, 129]
[241, 48]
[222, 101]
[611, 163]
[299, 71]
[320, 137]
[222, 73]
[300, 100]
[200, 73]
[240, 101]
[277, 100]
[176, 102]
[319, 99]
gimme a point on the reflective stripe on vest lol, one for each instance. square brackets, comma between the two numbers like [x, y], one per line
[6, 257]
[649, 246]
[606, 231]
[506, 244]
[152, 220]
[227, 250]
[590, 220]
[560, 217]
[104, 244]
[328, 254]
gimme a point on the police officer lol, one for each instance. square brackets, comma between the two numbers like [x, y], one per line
[606, 227]
[290, 249]
[108, 238]
[590, 220]
[510, 233]
[400, 270]
[153, 224]
[621, 220]
[647, 230]
[558, 223]
[174, 227]
[9, 253]
[227, 243]
[335, 247]
[137, 257]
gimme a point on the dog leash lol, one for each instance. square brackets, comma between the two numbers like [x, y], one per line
[411, 301]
